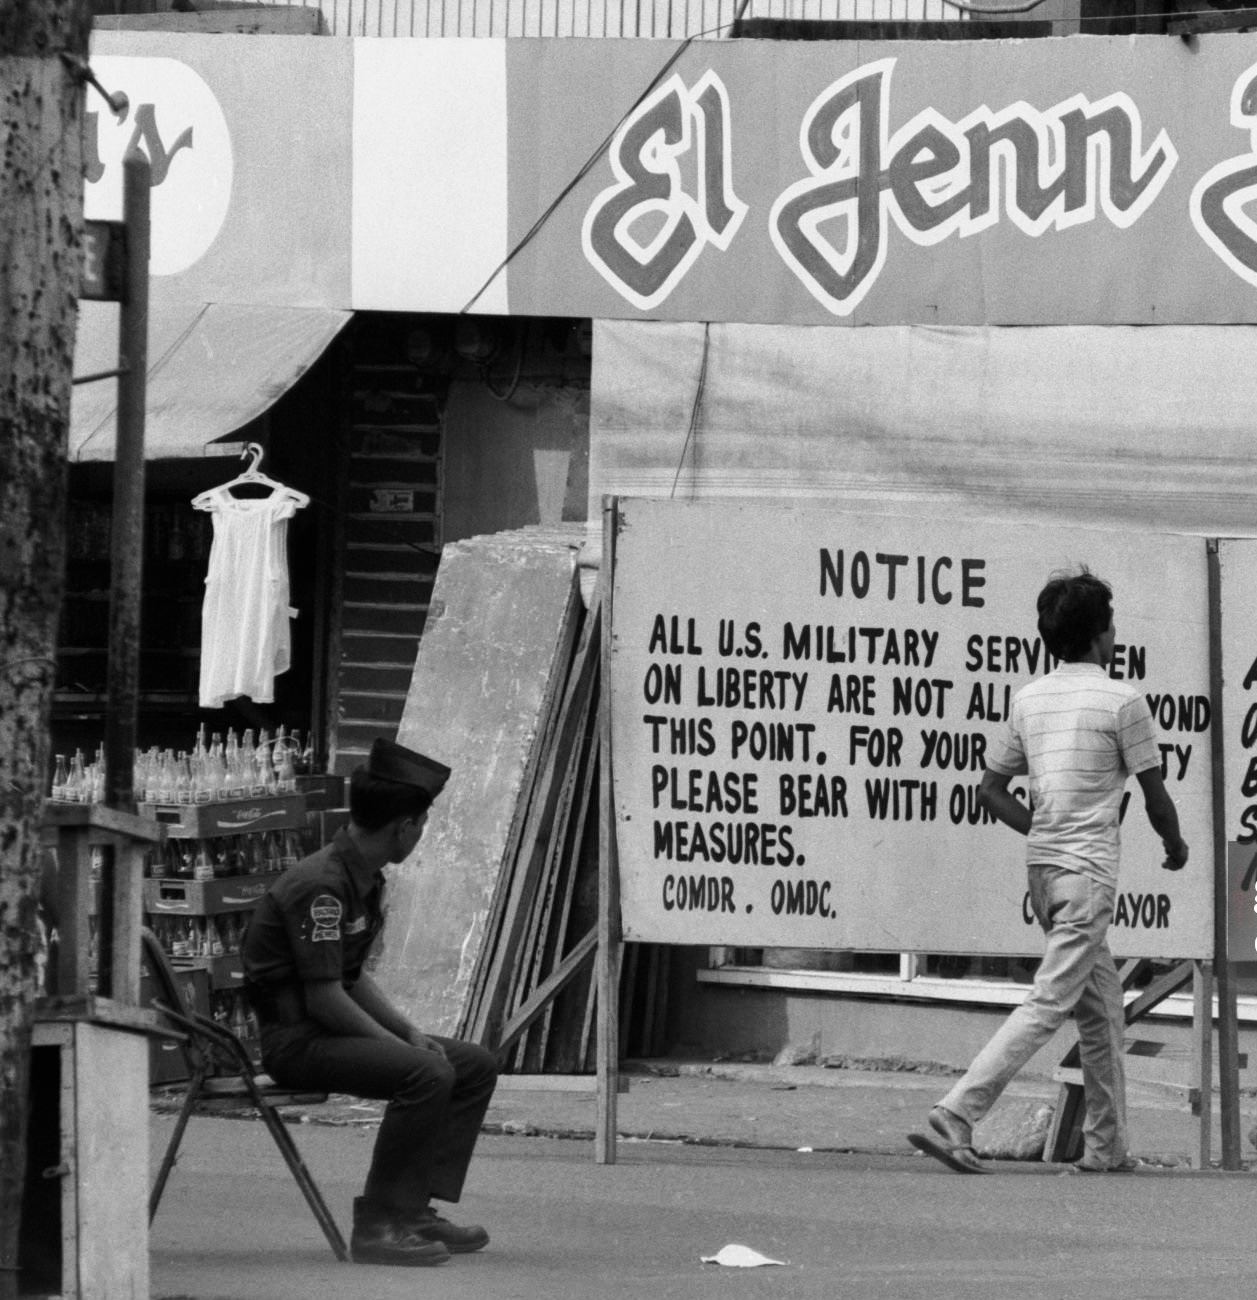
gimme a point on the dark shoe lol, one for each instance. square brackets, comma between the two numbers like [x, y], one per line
[458, 1240]
[380, 1237]
[957, 1132]
[1127, 1165]
[959, 1159]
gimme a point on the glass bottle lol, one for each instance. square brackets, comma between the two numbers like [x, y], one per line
[254, 786]
[235, 777]
[277, 755]
[75, 790]
[198, 768]
[287, 776]
[146, 776]
[203, 868]
[60, 776]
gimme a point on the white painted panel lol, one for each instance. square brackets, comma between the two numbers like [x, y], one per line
[430, 174]
[112, 1126]
[796, 766]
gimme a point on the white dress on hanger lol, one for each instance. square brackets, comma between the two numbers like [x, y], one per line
[246, 641]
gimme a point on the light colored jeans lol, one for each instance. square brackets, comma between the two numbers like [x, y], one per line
[1076, 974]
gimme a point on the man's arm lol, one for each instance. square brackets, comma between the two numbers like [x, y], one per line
[370, 997]
[361, 1012]
[995, 796]
[1163, 816]
[338, 1013]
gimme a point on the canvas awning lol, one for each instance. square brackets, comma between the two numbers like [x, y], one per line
[212, 367]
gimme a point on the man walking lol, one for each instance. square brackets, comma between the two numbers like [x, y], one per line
[325, 1024]
[1077, 735]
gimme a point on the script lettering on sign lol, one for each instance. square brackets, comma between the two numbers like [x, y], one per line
[1048, 170]
[1221, 195]
[171, 115]
[1040, 169]
[674, 127]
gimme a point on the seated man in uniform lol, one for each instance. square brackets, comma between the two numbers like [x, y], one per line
[325, 1023]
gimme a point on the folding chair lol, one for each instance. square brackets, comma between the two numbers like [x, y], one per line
[221, 1080]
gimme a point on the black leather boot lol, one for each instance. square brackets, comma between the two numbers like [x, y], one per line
[382, 1236]
[458, 1240]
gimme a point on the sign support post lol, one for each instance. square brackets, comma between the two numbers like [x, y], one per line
[1202, 1057]
[128, 493]
[610, 945]
[1228, 1031]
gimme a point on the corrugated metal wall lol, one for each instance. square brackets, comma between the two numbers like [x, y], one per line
[633, 18]
[390, 532]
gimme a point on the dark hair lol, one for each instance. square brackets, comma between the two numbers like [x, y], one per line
[374, 801]
[1074, 609]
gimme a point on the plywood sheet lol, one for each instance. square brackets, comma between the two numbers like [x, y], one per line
[478, 701]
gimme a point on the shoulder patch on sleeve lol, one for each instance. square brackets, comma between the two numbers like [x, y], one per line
[325, 912]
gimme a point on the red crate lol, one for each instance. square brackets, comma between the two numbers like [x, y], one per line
[203, 821]
[178, 896]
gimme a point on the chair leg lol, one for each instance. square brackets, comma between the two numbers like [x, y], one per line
[309, 1188]
[172, 1147]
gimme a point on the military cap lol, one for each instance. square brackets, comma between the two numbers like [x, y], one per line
[393, 762]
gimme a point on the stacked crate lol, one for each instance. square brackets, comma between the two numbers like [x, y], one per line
[218, 859]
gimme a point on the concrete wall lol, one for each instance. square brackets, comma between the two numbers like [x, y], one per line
[713, 1021]
[515, 463]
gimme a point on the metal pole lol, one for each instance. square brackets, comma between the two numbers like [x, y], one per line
[1228, 1028]
[127, 548]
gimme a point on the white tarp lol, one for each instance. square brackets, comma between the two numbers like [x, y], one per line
[1109, 426]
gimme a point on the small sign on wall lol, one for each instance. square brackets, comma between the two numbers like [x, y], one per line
[104, 261]
[392, 501]
[1241, 902]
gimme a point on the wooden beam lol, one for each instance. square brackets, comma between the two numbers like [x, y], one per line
[249, 20]
[1161, 988]
[554, 1083]
[547, 991]
[1223, 970]
[1237, 20]
[610, 937]
[1202, 1098]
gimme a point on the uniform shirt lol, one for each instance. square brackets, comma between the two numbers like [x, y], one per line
[1078, 735]
[317, 921]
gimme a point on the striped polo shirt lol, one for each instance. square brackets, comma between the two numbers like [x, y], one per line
[1078, 735]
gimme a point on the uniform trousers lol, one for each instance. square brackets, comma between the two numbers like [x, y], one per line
[436, 1104]
[1077, 974]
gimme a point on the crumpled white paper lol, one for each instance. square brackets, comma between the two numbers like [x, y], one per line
[735, 1256]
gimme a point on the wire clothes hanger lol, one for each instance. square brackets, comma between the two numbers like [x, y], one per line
[253, 476]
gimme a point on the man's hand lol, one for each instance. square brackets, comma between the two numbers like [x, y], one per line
[1163, 817]
[417, 1038]
[996, 798]
[1175, 855]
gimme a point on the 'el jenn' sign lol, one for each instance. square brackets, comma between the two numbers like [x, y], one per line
[1062, 181]
[1032, 182]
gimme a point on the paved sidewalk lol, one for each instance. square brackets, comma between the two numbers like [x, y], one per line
[791, 1107]
[795, 1107]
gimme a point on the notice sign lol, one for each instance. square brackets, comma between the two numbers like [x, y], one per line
[802, 701]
